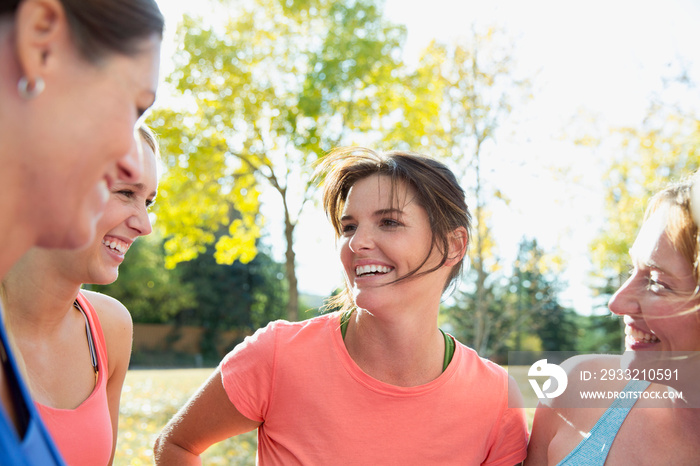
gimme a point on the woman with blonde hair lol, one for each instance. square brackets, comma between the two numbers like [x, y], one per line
[647, 416]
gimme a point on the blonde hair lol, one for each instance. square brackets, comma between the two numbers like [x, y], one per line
[681, 229]
[149, 137]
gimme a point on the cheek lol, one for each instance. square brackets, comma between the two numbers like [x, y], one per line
[114, 215]
[344, 252]
[113, 133]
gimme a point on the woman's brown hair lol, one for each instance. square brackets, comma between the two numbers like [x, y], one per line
[101, 27]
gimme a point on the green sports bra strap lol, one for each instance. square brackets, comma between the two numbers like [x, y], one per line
[449, 342]
[449, 350]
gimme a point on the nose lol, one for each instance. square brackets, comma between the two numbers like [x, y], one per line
[141, 222]
[361, 239]
[625, 300]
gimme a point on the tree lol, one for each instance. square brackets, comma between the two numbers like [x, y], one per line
[150, 292]
[269, 92]
[600, 334]
[522, 304]
[461, 94]
[665, 148]
[231, 296]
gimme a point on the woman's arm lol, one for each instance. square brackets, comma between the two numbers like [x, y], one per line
[543, 427]
[207, 418]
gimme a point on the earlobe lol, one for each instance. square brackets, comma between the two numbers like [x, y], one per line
[40, 24]
[459, 239]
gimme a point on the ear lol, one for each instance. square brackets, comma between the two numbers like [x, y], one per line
[40, 26]
[458, 241]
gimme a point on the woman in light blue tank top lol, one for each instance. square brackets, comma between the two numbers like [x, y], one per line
[595, 447]
[652, 421]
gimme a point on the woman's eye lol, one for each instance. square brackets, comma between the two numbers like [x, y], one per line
[149, 203]
[654, 285]
[126, 193]
[390, 222]
[348, 229]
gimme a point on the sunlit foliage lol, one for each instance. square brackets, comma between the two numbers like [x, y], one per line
[266, 91]
[665, 149]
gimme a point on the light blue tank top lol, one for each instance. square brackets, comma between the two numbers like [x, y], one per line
[593, 450]
[36, 447]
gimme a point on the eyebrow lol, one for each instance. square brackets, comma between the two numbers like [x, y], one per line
[142, 187]
[377, 213]
[651, 264]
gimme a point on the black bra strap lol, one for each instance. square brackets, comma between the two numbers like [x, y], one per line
[18, 401]
[91, 341]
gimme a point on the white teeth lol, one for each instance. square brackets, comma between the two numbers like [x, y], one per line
[373, 268]
[638, 335]
[119, 247]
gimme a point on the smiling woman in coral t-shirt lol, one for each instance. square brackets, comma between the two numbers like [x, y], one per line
[376, 382]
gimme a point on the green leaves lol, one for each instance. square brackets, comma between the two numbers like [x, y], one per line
[264, 93]
[665, 149]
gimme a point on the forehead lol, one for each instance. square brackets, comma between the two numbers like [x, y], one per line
[141, 70]
[379, 191]
[650, 235]
[653, 246]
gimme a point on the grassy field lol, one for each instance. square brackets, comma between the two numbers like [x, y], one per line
[149, 400]
[151, 397]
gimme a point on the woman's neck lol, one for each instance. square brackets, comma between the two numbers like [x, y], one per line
[16, 233]
[15, 242]
[37, 298]
[402, 351]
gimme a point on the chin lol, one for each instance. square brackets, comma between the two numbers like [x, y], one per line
[370, 301]
[107, 278]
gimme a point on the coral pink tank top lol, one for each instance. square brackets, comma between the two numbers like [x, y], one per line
[84, 434]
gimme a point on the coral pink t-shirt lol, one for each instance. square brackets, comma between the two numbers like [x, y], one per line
[84, 435]
[317, 407]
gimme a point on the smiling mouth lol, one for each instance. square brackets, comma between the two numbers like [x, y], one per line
[368, 270]
[117, 246]
[639, 336]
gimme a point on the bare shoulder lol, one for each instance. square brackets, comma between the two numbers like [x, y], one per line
[559, 421]
[114, 316]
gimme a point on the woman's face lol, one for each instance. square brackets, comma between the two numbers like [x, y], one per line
[657, 301]
[384, 239]
[80, 133]
[125, 218]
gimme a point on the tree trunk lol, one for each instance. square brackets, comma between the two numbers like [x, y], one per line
[293, 303]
